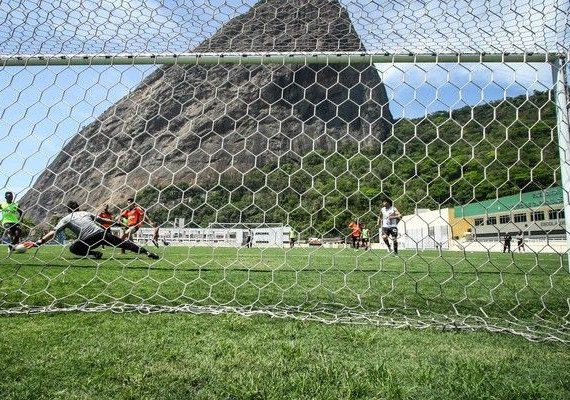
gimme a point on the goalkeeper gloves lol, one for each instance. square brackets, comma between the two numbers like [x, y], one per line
[28, 244]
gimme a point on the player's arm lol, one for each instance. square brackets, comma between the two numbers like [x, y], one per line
[50, 235]
[45, 238]
[120, 217]
[147, 219]
[397, 213]
[101, 220]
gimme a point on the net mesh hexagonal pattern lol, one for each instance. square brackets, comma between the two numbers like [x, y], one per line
[397, 163]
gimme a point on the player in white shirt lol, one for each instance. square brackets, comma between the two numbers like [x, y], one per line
[388, 220]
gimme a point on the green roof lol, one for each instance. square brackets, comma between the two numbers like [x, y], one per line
[540, 198]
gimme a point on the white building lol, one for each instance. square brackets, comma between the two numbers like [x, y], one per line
[228, 235]
[425, 230]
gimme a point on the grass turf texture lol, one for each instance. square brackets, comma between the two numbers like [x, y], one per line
[134, 356]
[529, 289]
[182, 356]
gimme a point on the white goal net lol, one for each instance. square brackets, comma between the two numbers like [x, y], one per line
[243, 152]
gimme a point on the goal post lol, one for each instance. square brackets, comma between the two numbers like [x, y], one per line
[559, 73]
[261, 139]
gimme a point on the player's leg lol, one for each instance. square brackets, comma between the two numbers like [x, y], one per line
[128, 235]
[124, 236]
[122, 244]
[385, 239]
[15, 232]
[6, 232]
[86, 247]
[394, 234]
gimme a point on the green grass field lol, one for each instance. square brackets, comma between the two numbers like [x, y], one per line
[183, 355]
[530, 290]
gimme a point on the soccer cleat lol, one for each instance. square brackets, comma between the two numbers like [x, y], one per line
[153, 256]
[10, 248]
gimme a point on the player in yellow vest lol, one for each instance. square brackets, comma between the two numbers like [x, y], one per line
[11, 218]
[292, 237]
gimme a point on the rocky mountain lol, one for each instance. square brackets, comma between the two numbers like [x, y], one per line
[191, 123]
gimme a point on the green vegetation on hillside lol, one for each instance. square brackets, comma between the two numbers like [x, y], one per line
[445, 159]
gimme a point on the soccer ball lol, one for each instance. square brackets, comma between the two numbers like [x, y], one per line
[20, 248]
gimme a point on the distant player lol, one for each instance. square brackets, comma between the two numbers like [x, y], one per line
[365, 237]
[155, 233]
[292, 237]
[11, 218]
[106, 214]
[388, 220]
[355, 233]
[520, 241]
[249, 238]
[90, 234]
[507, 243]
[133, 217]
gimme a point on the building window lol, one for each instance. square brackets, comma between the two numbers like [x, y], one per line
[504, 219]
[479, 221]
[537, 216]
[519, 217]
[492, 221]
[555, 214]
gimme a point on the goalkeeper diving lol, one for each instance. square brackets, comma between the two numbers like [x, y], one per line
[90, 234]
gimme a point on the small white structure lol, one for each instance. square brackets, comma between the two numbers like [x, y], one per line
[425, 230]
[228, 235]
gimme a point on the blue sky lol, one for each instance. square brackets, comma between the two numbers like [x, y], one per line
[41, 107]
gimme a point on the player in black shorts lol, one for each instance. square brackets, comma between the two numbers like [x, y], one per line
[388, 219]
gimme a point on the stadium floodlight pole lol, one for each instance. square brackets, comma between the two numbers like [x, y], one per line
[561, 94]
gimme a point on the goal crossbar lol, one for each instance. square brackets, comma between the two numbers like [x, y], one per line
[271, 58]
